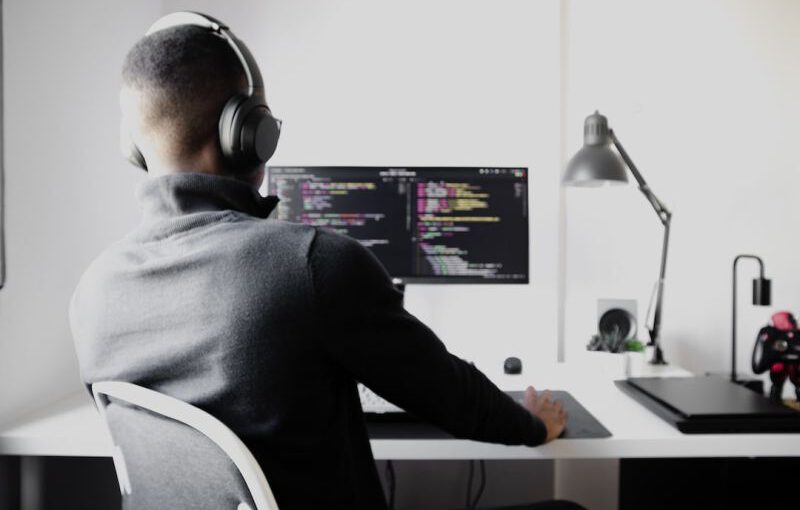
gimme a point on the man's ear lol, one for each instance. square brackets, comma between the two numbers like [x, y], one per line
[132, 126]
[127, 147]
[129, 104]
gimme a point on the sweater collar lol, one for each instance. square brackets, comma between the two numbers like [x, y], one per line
[181, 194]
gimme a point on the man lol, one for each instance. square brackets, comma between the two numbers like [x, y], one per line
[264, 324]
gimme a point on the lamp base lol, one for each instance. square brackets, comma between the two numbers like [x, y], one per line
[658, 357]
[751, 383]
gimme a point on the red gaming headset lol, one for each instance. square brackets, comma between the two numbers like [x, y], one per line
[248, 133]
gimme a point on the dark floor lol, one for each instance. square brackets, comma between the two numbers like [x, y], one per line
[710, 484]
[59, 483]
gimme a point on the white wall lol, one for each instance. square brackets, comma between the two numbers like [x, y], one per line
[68, 192]
[704, 96]
[425, 83]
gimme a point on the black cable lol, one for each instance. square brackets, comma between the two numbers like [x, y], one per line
[482, 486]
[468, 499]
[390, 479]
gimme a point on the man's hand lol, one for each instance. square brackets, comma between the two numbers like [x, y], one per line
[550, 411]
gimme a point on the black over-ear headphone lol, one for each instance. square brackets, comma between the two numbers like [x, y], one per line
[248, 133]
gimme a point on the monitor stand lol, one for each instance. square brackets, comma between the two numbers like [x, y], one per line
[401, 287]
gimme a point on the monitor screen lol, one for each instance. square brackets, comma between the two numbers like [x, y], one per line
[425, 224]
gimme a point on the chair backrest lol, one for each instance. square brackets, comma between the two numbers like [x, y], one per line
[171, 455]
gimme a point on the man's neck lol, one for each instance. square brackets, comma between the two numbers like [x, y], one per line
[200, 163]
[207, 161]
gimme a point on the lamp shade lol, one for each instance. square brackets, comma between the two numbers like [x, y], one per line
[762, 292]
[597, 163]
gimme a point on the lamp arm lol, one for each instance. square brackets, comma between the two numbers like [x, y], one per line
[665, 216]
[655, 332]
[661, 210]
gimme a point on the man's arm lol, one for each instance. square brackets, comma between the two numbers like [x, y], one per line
[365, 328]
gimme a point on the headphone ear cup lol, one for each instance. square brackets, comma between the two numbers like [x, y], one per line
[248, 133]
[228, 132]
[129, 149]
[260, 134]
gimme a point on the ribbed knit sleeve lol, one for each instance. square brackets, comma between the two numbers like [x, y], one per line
[368, 332]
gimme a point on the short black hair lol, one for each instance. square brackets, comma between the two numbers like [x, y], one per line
[185, 74]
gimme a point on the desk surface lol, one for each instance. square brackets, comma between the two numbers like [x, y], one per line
[73, 428]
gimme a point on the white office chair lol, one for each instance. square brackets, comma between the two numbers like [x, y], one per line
[171, 455]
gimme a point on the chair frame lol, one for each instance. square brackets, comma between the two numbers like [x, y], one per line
[195, 418]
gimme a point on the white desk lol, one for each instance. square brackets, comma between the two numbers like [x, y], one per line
[73, 428]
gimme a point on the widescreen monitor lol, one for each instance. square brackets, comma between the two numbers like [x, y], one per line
[425, 224]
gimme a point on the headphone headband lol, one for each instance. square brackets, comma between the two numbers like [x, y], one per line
[248, 132]
[255, 83]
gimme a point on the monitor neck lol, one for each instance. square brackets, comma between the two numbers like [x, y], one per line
[401, 287]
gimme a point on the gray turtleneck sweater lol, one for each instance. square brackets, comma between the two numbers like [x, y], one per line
[268, 325]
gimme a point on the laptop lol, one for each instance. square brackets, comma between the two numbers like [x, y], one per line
[710, 404]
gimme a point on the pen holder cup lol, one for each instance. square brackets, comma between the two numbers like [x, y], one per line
[611, 366]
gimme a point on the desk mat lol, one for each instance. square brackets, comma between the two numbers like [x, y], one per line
[581, 423]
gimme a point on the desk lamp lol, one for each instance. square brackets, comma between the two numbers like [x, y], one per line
[762, 296]
[597, 164]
